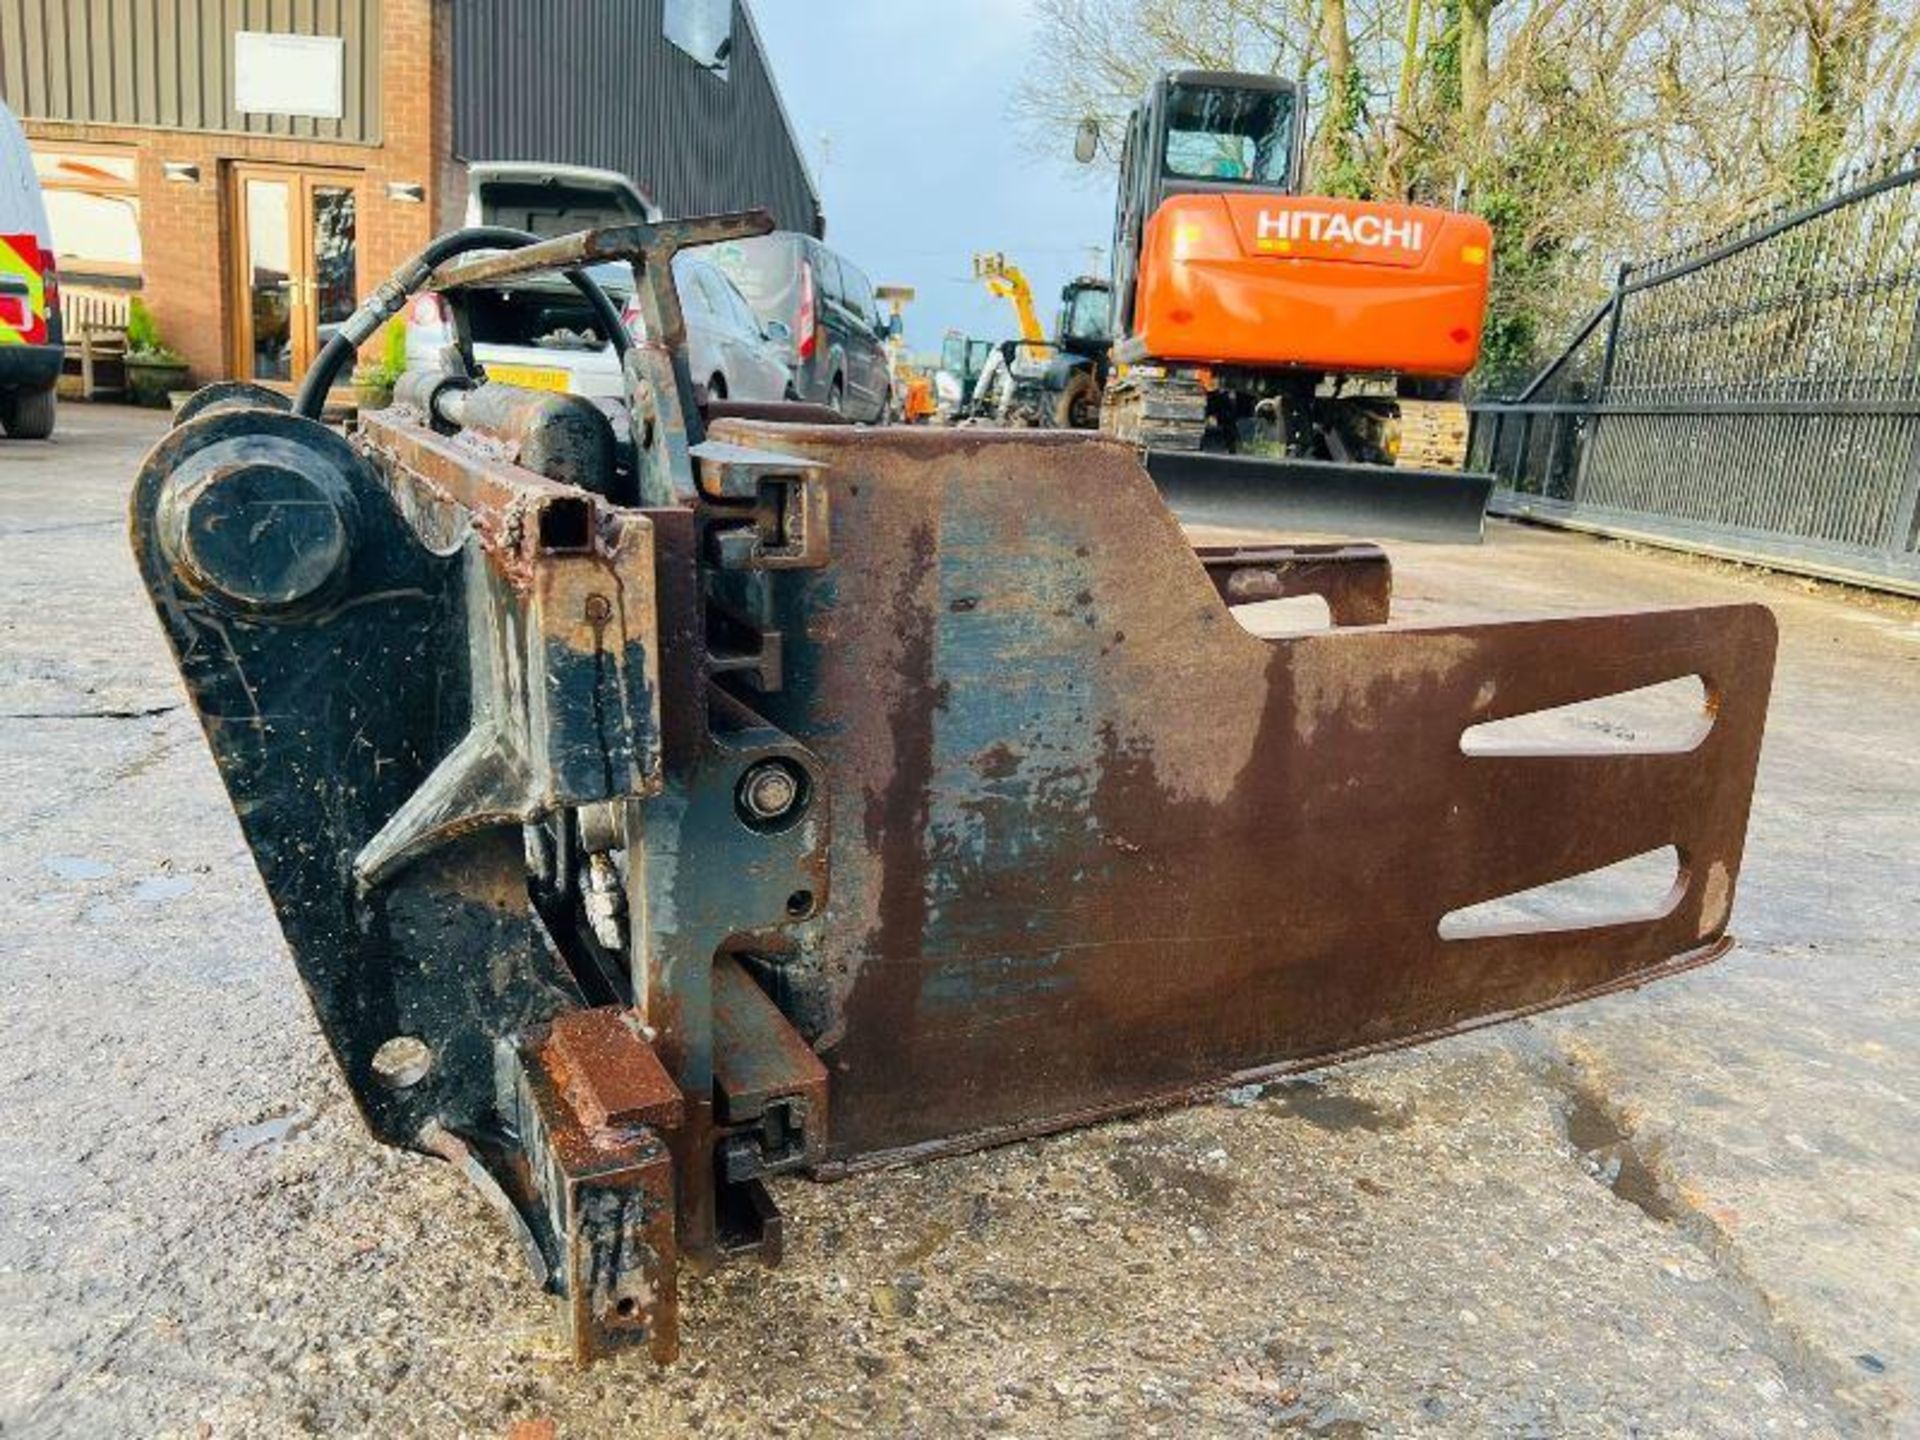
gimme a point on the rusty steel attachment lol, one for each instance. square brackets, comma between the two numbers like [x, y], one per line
[658, 807]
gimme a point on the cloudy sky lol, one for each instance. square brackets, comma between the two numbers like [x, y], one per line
[907, 121]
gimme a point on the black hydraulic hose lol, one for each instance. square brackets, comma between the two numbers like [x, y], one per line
[391, 295]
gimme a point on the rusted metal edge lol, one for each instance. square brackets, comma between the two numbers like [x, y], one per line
[435, 1139]
[474, 472]
[1354, 578]
[1185, 1095]
[521, 516]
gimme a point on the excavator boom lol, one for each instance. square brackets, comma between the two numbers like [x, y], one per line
[1007, 281]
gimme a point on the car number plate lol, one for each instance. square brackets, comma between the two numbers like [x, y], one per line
[531, 377]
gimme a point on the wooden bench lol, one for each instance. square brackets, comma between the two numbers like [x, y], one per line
[96, 340]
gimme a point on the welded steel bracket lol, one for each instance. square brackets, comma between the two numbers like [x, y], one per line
[767, 511]
[591, 1105]
[1355, 580]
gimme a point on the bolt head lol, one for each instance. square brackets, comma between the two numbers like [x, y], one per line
[769, 790]
[402, 1062]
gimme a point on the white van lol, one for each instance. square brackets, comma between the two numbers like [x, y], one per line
[30, 338]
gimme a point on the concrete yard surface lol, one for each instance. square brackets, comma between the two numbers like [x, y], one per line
[1693, 1209]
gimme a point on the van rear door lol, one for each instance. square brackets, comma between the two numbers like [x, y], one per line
[554, 200]
[766, 270]
[29, 294]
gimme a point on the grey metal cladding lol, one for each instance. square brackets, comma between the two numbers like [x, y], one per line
[596, 82]
[169, 63]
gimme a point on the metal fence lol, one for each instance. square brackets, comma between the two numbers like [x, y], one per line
[1755, 395]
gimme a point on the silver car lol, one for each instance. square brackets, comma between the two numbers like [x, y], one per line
[729, 351]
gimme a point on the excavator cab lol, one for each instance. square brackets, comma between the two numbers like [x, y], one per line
[1082, 344]
[1200, 132]
[1085, 326]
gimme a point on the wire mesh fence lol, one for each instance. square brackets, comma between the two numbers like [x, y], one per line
[1755, 394]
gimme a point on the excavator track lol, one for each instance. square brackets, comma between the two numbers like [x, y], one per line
[1432, 435]
[1158, 412]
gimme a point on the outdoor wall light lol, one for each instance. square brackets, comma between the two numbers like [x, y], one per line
[182, 171]
[407, 192]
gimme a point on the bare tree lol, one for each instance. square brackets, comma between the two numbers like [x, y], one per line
[1587, 131]
[1335, 145]
[1098, 57]
[1476, 19]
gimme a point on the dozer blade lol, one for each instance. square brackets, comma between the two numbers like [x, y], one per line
[1379, 502]
[871, 793]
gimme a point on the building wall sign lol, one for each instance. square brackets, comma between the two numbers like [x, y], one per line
[276, 74]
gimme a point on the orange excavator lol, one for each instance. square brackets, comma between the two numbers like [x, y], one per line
[1282, 358]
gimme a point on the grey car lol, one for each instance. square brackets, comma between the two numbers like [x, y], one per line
[835, 343]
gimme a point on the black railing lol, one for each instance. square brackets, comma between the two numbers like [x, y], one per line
[1756, 394]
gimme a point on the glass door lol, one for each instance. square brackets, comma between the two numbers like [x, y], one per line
[269, 277]
[333, 263]
[298, 267]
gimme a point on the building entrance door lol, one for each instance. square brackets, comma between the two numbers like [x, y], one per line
[297, 254]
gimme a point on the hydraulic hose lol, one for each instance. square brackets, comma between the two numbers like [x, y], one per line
[392, 293]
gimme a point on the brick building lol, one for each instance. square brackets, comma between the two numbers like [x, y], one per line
[253, 167]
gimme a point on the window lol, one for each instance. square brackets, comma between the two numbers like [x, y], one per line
[859, 292]
[704, 30]
[766, 270]
[691, 281]
[826, 270]
[735, 305]
[551, 205]
[1089, 315]
[93, 208]
[1217, 133]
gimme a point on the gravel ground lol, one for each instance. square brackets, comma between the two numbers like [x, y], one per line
[1685, 1211]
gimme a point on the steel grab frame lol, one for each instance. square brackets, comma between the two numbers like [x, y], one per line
[876, 794]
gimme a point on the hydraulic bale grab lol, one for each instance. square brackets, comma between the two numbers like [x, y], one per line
[652, 817]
